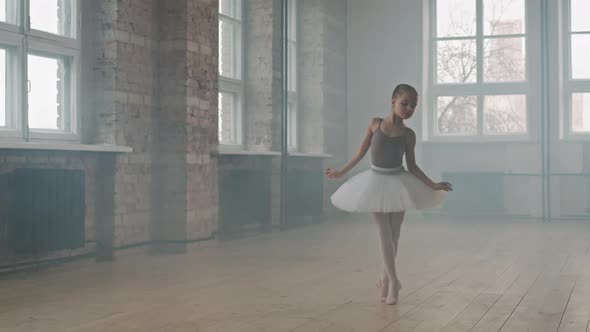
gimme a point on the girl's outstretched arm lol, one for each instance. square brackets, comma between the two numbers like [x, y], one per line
[413, 167]
[362, 151]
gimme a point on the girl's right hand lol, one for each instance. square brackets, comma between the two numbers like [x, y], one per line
[443, 186]
[333, 174]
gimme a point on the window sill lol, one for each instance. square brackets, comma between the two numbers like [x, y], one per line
[480, 140]
[309, 155]
[99, 148]
[578, 137]
[228, 152]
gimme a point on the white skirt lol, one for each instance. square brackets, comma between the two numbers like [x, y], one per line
[386, 190]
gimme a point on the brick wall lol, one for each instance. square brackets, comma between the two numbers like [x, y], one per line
[322, 87]
[187, 121]
[263, 51]
[125, 83]
[170, 129]
[312, 72]
[149, 81]
[157, 61]
[202, 118]
[335, 108]
[322, 66]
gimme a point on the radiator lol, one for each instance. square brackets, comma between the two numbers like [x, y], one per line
[476, 192]
[43, 210]
[305, 193]
[245, 198]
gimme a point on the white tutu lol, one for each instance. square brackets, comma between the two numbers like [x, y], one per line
[386, 190]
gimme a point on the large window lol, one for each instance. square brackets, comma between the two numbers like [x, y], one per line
[577, 87]
[479, 85]
[230, 72]
[292, 74]
[39, 51]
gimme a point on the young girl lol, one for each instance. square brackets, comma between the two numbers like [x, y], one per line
[387, 190]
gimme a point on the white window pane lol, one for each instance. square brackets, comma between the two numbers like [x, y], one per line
[456, 115]
[226, 7]
[47, 96]
[505, 114]
[580, 10]
[231, 8]
[456, 61]
[292, 128]
[9, 11]
[53, 16]
[3, 114]
[504, 17]
[455, 18]
[227, 117]
[580, 56]
[292, 20]
[504, 59]
[292, 67]
[3, 10]
[227, 50]
[8, 86]
[581, 112]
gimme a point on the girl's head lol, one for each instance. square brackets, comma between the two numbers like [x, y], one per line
[403, 101]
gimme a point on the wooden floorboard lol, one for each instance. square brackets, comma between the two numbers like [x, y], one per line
[458, 276]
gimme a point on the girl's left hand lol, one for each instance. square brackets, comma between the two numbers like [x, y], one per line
[443, 186]
[333, 174]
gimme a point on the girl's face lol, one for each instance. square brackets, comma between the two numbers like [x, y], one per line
[404, 105]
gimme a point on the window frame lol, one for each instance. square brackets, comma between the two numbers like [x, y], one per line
[232, 84]
[13, 111]
[480, 88]
[292, 71]
[24, 41]
[570, 85]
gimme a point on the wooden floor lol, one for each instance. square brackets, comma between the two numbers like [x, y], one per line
[457, 276]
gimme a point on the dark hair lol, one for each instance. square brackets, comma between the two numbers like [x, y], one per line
[403, 88]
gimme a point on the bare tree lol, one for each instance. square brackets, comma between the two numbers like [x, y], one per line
[503, 60]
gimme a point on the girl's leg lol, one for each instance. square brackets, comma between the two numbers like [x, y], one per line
[383, 281]
[396, 221]
[383, 284]
[396, 225]
[388, 251]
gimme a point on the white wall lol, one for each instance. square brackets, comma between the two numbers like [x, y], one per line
[385, 47]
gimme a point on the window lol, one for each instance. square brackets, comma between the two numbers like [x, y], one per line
[228, 116]
[479, 85]
[38, 69]
[577, 87]
[292, 75]
[230, 72]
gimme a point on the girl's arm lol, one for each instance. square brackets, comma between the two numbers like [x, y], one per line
[332, 173]
[413, 167]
